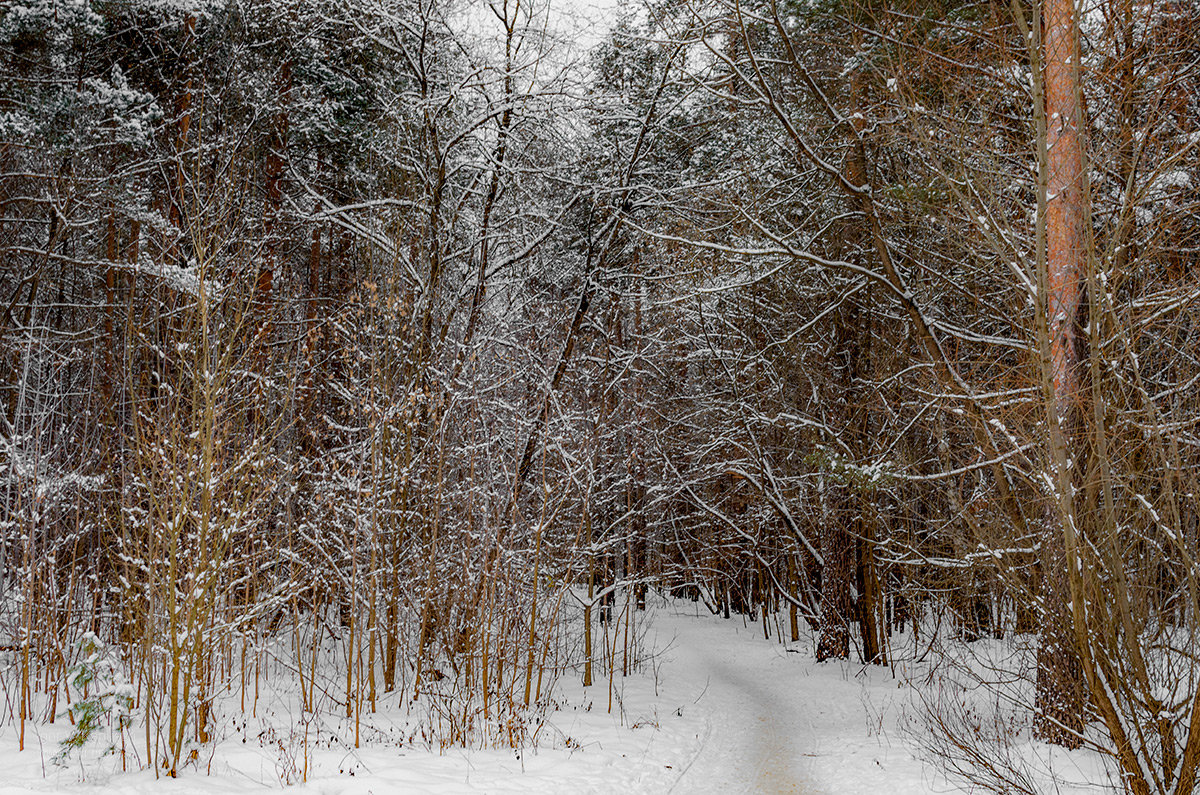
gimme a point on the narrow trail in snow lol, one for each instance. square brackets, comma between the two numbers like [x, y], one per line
[757, 729]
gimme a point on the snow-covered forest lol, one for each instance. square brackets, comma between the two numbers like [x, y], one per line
[672, 395]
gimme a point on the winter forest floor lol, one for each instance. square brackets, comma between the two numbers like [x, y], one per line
[716, 708]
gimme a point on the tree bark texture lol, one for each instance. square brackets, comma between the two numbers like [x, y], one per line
[1059, 695]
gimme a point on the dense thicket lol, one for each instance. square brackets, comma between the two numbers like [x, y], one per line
[402, 330]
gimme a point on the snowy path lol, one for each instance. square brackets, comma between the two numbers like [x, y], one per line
[768, 718]
[756, 730]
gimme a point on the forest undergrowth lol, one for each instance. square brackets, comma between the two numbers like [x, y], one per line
[310, 684]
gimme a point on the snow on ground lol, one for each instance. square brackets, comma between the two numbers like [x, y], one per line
[716, 709]
[775, 720]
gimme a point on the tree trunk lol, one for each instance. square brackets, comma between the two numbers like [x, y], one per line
[837, 550]
[1059, 696]
[273, 185]
[870, 602]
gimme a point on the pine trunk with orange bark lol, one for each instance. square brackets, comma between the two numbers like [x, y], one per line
[1060, 698]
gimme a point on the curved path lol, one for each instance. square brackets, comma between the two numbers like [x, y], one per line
[756, 726]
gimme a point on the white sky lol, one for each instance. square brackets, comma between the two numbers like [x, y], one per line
[577, 25]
